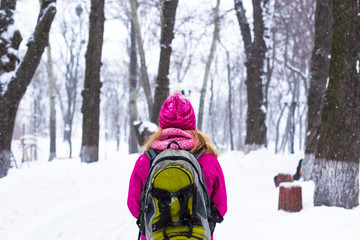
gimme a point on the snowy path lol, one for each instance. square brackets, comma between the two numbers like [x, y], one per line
[67, 200]
[100, 219]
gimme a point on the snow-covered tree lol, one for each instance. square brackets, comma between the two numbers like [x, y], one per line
[16, 76]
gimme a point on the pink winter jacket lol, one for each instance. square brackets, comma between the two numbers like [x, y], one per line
[213, 174]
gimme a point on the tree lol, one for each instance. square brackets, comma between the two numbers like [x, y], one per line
[168, 14]
[52, 129]
[230, 103]
[15, 86]
[92, 85]
[289, 134]
[255, 57]
[133, 146]
[208, 65]
[319, 72]
[290, 47]
[144, 74]
[337, 152]
[74, 39]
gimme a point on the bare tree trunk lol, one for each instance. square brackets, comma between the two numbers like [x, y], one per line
[11, 95]
[212, 116]
[133, 146]
[52, 154]
[292, 127]
[270, 64]
[230, 110]
[277, 129]
[255, 56]
[68, 131]
[289, 134]
[241, 113]
[319, 72]
[167, 35]
[92, 85]
[144, 75]
[230, 104]
[208, 65]
[74, 46]
[337, 151]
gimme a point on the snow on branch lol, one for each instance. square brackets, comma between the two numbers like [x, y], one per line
[300, 73]
[18, 84]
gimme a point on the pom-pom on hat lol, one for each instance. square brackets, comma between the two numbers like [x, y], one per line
[177, 112]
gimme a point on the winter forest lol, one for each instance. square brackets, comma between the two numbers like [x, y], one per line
[83, 81]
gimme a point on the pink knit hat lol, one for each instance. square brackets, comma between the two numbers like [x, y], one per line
[177, 112]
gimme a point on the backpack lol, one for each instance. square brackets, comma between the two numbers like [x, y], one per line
[175, 203]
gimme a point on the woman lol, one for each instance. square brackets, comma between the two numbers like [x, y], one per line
[177, 123]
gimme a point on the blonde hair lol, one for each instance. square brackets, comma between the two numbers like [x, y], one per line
[202, 141]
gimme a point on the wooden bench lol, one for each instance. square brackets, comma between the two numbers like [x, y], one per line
[283, 177]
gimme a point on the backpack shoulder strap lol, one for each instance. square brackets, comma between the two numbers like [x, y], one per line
[198, 153]
[151, 154]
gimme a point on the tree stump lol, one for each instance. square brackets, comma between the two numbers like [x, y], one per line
[290, 197]
[283, 177]
[144, 130]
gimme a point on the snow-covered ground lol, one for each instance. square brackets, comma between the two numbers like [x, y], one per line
[69, 200]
